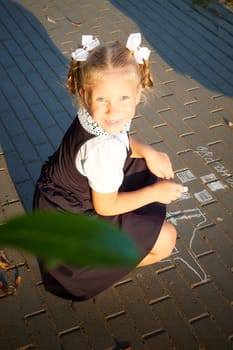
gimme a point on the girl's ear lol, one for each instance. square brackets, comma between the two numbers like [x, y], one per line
[84, 97]
[138, 96]
[81, 93]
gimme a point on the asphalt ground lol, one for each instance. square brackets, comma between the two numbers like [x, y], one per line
[184, 302]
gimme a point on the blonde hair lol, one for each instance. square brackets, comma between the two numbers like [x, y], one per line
[81, 74]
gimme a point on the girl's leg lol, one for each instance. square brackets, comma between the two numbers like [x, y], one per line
[163, 247]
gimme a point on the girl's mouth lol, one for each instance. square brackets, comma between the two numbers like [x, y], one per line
[113, 123]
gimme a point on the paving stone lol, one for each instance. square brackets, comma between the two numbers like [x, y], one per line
[189, 305]
[109, 304]
[25, 148]
[222, 218]
[122, 329]
[14, 255]
[221, 276]
[133, 299]
[17, 77]
[219, 150]
[151, 115]
[157, 339]
[169, 136]
[192, 140]
[91, 320]
[205, 135]
[13, 328]
[220, 243]
[216, 306]
[28, 291]
[188, 265]
[173, 323]
[177, 162]
[225, 102]
[74, 338]
[144, 130]
[34, 168]
[41, 329]
[179, 107]
[224, 133]
[206, 330]
[174, 120]
[34, 132]
[44, 150]
[61, 312]
[219, 116]
[43, 116]
[7, 191]
[31, 53]
[25, 190]
[11, 210]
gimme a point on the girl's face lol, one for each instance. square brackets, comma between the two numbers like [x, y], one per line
[113, 99]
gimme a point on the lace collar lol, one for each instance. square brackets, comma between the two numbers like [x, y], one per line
[91, 126]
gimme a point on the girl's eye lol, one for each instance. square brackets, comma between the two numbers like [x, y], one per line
[123, 98]
[101, 99]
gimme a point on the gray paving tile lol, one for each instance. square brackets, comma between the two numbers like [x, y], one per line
[93, 320]
[220, 275]
[206, 329]
[13, 328]
[216, 305]
[173, 321]
[41, 330]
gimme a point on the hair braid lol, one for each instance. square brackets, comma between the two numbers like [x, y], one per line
[73, 78]
[146, 76]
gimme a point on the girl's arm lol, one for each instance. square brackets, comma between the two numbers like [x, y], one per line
[158, 162]
[116, 203]
[163, 191]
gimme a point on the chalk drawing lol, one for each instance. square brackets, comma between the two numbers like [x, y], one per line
[209, 158]
[217, 185]
[184, 195]
[195, 214]
[188, 214]
[185, 176]
[208, 178]
[203, 196]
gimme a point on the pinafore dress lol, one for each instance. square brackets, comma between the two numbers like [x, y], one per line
[63, 188]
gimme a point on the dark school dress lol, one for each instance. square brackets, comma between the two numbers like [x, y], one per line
[61, 187]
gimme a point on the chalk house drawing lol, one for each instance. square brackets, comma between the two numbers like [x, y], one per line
[188, 214]
[213, 184]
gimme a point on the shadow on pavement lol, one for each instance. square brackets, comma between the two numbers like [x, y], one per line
[196, 42]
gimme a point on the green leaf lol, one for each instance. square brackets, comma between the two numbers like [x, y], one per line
[74, 239]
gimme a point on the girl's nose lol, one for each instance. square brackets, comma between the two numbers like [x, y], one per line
[112, 108]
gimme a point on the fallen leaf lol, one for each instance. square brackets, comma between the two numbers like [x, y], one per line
[50, 20]
[75, 24]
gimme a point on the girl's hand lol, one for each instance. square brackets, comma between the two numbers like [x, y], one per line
[166, 191]
[159, 164]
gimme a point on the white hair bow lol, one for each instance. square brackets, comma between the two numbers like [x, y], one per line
[133, 44]
[89, 43]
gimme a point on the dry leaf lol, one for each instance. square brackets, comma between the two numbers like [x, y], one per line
[75, 24]
[50, 20]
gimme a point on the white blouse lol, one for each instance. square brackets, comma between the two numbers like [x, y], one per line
[101, 159]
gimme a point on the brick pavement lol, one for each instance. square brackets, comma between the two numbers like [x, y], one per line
[181, 303]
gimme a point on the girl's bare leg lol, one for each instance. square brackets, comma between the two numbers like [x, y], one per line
[163, 247]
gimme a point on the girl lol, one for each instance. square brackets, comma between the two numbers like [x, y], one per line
[100, 170]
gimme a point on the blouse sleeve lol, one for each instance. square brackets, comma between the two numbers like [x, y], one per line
[102, 163]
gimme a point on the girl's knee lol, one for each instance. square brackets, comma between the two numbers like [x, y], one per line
[170, 234]
[163, 246]
[165, 242]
